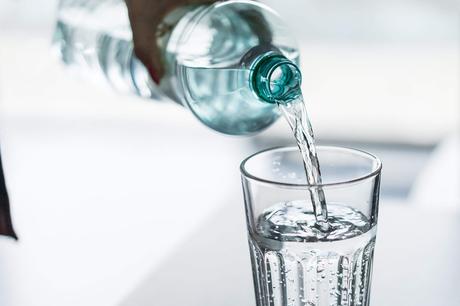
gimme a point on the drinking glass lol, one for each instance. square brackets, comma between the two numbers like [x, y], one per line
[295, 261]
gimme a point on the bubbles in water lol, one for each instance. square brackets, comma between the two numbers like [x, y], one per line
[295, 221]
[305, 266]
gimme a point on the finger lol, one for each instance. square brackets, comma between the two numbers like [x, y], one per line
[145, 17]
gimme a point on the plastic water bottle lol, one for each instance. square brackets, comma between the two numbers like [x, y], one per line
[229, 62]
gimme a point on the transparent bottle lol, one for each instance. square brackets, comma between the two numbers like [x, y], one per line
[227, 62]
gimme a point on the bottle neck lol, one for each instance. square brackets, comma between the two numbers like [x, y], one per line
[275, 79]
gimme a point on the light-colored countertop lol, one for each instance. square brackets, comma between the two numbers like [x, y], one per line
[416, 262]
[112, 212]
[96, 203]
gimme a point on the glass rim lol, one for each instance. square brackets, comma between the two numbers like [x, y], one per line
[360, 178]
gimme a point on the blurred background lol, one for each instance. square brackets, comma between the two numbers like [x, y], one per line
[107, 189]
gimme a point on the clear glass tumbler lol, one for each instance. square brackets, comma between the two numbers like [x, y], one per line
[294, 260]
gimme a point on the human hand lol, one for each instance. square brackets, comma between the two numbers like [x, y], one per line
[145, 17]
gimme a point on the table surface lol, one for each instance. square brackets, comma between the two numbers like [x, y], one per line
[90, 235]
[416, 262]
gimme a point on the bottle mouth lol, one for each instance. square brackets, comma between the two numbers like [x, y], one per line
[276, 79]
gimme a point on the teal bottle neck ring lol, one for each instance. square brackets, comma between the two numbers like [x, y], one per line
[275, 79]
